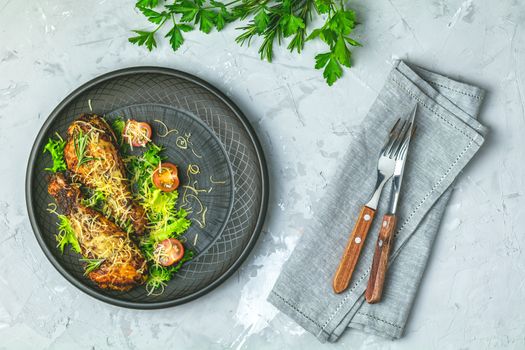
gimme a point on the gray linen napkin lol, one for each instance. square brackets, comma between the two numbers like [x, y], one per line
[448, 135]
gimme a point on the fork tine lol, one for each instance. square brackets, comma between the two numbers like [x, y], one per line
[410, 132]
[402, 138]
[390, 133]
[387, 151]
[404, 146]
[394, 126]
[403, 149]
[396, 141]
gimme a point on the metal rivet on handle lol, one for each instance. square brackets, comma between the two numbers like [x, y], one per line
[358, 240]
[366, 217]
[385, 223]
[380, 243]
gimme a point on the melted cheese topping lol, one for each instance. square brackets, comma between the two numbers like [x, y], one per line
[103, 173]
[135, 132]
[102, 241]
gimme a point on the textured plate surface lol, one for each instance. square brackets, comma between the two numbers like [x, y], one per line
[190, 143]
[225, 148]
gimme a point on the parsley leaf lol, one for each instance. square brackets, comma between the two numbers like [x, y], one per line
[343, 22]
[290, 24]
[220, 21]
[270, 21]
[176, 38]
[147, 3]
[144, 38]
[322, 59]
[207, 20]
[261, 20]
[323, 6]
[341, 52]
[188, 9]
[352, 41]
[332, 71]
[153, 16]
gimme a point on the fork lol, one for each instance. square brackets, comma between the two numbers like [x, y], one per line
[385, 239]
[385, 170]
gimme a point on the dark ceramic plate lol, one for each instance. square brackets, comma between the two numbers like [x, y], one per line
[223, 146]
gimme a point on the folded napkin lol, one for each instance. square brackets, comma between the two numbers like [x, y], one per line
[447, 137]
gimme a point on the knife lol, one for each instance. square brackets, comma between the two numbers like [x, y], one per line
[385, 239]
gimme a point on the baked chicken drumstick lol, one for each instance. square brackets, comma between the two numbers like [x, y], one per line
[120, 264]
[92, 157]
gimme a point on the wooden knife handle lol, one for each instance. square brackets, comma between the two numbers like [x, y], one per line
[374, 290]
[353, 249]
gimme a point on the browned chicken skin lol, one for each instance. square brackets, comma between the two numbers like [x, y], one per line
[123, 266]
[100, 167]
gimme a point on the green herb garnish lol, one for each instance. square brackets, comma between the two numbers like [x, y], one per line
[81, 141]
[95, 200]
[273, 21]
[118, 126]
[92, 264]
[55, 147]
[165, 220]
[141, 167]
[66, 235]
[160, 275]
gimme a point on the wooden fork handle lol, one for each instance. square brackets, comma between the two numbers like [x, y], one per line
[374, 290]
[353, 249]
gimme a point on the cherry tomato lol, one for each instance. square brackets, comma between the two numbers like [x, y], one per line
[137, 133]
[169, 251]
[166, 177]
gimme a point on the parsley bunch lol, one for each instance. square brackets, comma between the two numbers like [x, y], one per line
[272, 21]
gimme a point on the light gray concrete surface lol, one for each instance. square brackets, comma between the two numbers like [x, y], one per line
[473, 294]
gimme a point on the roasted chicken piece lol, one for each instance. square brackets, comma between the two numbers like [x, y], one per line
[92, 156]
[121, 265]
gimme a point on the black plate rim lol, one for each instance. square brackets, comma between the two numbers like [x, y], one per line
[242, 119]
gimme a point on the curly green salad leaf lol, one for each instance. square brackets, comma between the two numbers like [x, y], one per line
[66, 235]
[55, 147]
[165, 219]
[160, 275]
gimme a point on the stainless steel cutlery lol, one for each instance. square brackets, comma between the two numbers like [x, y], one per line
[390, 164]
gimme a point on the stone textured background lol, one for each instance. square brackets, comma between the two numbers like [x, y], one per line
[473, 292]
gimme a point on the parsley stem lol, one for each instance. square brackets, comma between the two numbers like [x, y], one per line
[274, 21]
[232, 2]
[161, 24]
[225, 5]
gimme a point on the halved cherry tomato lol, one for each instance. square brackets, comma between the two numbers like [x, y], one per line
[169, 251]
[137, 133]
[166, 177]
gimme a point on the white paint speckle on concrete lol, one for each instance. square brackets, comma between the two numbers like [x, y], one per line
[472, 295]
